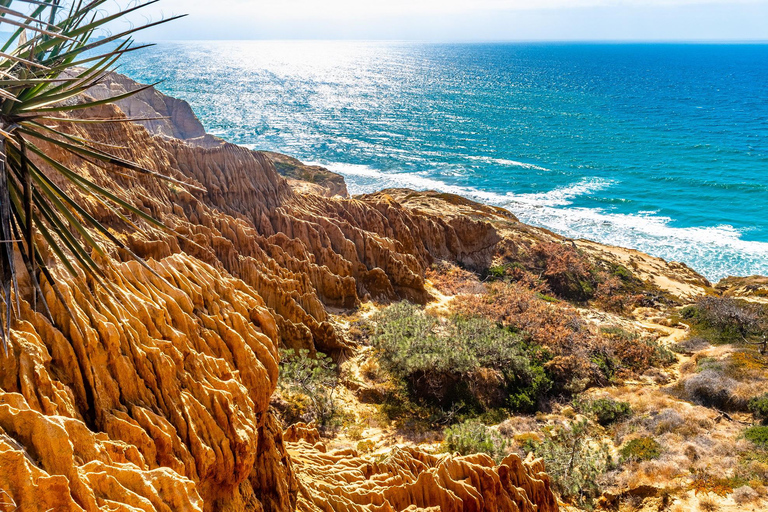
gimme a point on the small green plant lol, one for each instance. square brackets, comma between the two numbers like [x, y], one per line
[547, 298]
[605, 410]
[621, 272]
[474, 437]
[308, 385]
[642, 448]
[497, 272]
[758, 406]
[574, 459]
[758, 435]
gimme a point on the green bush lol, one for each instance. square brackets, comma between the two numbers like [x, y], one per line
[466, 363]
[473, 437]
[726, 320]
[758, 435]
[605, 410]
[307, 385]
[758, 406]
[497, 272]
[574, 460]
[642, 448]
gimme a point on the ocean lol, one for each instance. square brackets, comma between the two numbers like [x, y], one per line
[657, 147]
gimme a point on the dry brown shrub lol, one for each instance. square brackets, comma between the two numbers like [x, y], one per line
[612, 296]
[515, 425]
[744, 495]
[708, 504]
[566, 271]
[691, 452]
[452, 280]
[635, 354]
[554, 326]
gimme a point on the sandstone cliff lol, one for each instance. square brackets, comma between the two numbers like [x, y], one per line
[154, 395]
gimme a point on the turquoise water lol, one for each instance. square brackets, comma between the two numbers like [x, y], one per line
[662, 148]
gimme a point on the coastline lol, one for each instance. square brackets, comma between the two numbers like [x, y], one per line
[315, 178]
[647, 171]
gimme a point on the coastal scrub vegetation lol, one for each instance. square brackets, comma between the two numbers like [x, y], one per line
[49, 59]
[460, 366]
[758, 406]
[472, 436]
[581, 356]
[723, 320]
[605, 410]
[729, 380]
[642, 448]
[307, 388]
[560, 269]
[575, 457]
[597, 402]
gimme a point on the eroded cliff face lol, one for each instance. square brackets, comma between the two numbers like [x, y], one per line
[154, 394]
[407, 478]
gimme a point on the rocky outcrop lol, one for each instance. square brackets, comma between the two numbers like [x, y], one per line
[316, 179]
[753, 288]
[153, 395]
[167, 116]
[344, 481]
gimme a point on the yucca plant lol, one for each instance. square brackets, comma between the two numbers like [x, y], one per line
[50, 59]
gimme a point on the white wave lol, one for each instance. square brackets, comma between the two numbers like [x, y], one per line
[562, 196]
[715, 251]
[505, 162]
[419, 181]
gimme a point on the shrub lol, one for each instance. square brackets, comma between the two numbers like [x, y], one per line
[473, 437]
[708, 504]
[366, 446]
[452, 280]
[612, 291]
[691, 345]
[704, 482]
[642, 448]
[580, 356]
[636, 353]
[466, 362]
[565, 269]
[726, 320]
[744, 495]
[711, 388]
[757, 435]
[758, 406]
[668, 420]
[307, 385]
[605, 410]
[557, 328]
[574, 460]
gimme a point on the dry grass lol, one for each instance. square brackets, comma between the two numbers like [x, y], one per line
[723, 377]
[744, 495]
[708, 504]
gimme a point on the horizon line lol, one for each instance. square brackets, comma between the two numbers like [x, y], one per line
[485, 41]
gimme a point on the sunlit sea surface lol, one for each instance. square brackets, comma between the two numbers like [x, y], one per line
[662, 148]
